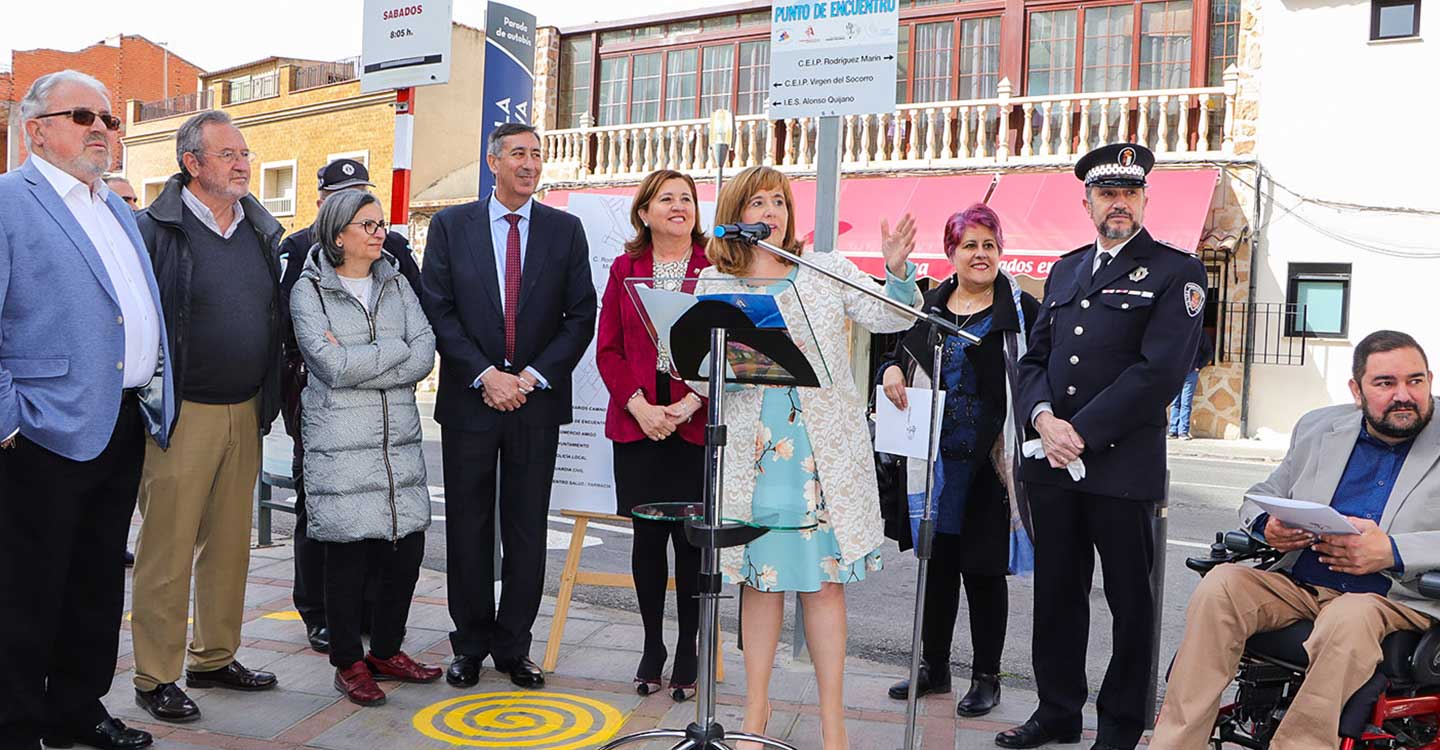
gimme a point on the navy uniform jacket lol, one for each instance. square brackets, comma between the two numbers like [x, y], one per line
[1109, 355]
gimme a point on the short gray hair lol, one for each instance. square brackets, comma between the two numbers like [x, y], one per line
[190, 138]
[498, 135]
[38, 97]
[335, 213]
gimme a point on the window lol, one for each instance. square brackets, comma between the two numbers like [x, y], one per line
[645, 88]
[934, 43]
[717, 80]
[902, 66]
[1051, 68]
[1108, 36]
[1165, 44]
[614, 76]
[574, 80]
[361, 156]
[1224, 38]
[277, 187]
[680, 77]
[1320, 293]
[754, 77]
[1394, 19]
[979, 58]
[151, 190]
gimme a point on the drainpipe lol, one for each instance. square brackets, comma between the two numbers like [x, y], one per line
[1255, 235]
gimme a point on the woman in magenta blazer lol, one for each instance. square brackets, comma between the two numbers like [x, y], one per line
[655, 421]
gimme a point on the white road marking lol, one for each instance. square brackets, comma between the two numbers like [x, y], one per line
[1227, 487]
[1183, 543]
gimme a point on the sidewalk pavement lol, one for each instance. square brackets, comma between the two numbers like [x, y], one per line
[1265, 449]
[587, 701]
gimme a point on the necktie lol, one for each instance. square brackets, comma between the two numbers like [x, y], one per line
[1105, 259]
[512, 283]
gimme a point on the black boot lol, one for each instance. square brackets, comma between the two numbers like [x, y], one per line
[936, 681]
[983, 696]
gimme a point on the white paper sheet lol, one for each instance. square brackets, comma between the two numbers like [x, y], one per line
[1316, 518]
[904, 433]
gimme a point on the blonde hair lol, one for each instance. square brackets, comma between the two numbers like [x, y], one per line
[729, 256]
[649, 187]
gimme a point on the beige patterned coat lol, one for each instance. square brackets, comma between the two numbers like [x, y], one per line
[834, 416]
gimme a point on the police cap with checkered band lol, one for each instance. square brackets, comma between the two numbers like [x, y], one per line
[1115, 165]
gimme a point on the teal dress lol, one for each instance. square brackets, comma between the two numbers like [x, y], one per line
[788, 488]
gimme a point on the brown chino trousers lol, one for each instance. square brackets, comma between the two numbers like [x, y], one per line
[195, 499]
[1234, 602]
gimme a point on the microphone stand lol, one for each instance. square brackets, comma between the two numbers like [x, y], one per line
[939, 328]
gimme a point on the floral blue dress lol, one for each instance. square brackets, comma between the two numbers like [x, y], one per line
[788, 489]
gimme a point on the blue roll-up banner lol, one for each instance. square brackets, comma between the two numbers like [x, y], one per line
[509, 76]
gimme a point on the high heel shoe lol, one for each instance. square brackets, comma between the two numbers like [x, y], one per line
[682, 693]
[764, 731]
[646, 686]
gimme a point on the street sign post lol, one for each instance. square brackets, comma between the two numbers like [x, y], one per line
[832, 57]
[401, 47]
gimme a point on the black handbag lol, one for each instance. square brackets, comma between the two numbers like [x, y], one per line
[894, 507]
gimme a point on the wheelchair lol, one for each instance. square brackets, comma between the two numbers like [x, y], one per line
[1397, 709]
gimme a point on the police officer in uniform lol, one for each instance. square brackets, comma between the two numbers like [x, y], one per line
[338, 175]
[1117, 331]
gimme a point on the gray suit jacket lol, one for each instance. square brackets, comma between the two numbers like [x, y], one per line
[1319, 450]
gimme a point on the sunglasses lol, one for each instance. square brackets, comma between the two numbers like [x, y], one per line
[370, 226]
[132, 200]
[85, 118]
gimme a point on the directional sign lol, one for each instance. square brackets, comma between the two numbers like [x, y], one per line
[832, 57]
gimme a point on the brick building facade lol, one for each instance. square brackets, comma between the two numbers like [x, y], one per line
[131, 66]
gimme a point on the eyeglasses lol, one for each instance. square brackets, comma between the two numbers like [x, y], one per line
[85, 118]
[230, 156]
[370, 226]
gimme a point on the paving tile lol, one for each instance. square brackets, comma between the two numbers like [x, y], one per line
[873, 735]
[261, 715]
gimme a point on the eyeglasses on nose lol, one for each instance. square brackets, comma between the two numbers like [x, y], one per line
[370, 226]
[230, 156]
[85, 118]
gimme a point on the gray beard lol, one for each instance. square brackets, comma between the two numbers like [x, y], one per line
[1117, 234]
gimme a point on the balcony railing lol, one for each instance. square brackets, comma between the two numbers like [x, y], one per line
[1178, 124]
[326, 74]
[283, 206]
[259, 87]
[175, 105]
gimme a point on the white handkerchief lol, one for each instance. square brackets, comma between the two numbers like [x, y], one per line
[1036, 449]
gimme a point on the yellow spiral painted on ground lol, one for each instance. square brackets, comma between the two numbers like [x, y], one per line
[542, 721]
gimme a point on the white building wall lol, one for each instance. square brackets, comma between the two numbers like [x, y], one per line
[1348, 121]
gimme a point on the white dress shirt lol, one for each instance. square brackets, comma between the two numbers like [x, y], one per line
[499, 239]
[1113, 252]
[207, 217]
[138, 313]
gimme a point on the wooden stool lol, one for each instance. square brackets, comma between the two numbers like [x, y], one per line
[573, 575]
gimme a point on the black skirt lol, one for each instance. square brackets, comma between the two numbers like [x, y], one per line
[671, 470]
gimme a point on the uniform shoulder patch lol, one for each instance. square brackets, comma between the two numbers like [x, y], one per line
[1194, 298]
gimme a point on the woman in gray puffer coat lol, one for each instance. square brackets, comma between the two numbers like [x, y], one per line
[366, 343]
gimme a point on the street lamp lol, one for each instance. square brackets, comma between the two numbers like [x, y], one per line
[722, 134]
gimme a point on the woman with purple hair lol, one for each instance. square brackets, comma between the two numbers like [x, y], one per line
[980, 537]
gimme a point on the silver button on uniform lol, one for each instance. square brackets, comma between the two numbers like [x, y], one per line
[119, 365]
[1074, 359]
[1085, 303]
[1070, 390]
[1124, 305]
[120, 320]
[1079, 330]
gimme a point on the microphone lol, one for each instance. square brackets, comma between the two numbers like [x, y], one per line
[749, 232]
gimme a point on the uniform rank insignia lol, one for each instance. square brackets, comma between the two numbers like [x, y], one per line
[1194, 298]
[1139, 274]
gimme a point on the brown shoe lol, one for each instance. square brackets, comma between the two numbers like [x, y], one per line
[401, 667]
[356, 682]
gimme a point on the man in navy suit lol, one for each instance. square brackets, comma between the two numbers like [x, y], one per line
[1116, 334]
[84, 376]
[506, 284]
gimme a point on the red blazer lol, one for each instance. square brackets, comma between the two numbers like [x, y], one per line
[626, 355]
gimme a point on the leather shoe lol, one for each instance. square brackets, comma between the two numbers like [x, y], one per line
[110, 734]
[937, 683]
[1032, 734]
[464, 671]
[358, 684]
[401, 667]
[523, 672]
[319, 637]
[233, 677]
[983, 696]
[168, 703]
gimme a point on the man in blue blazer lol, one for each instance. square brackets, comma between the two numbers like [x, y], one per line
[84, 376]
[506, 284]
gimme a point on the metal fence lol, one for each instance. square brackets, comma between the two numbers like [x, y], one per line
[175, 105]
[1256, 332]
[326, 74]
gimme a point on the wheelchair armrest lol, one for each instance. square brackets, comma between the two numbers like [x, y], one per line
[1242, 542]
[1235, 546]
[1429, 584]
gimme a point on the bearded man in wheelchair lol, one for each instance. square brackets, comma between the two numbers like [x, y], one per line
[1306, 631]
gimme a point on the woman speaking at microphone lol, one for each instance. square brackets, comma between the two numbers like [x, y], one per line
[806, 462]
